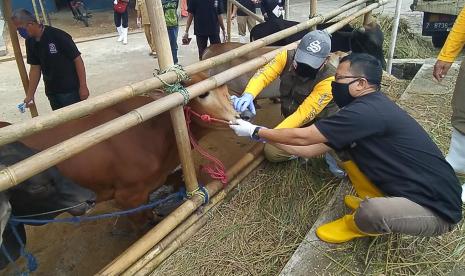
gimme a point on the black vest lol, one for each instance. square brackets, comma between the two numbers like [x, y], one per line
[294, 89]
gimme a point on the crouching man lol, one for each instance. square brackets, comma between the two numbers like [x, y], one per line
[403, 182]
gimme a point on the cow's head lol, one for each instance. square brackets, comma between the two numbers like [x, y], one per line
[216, 103]
[45, 192]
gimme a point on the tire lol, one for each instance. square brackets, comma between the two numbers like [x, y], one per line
[83, 15]
[439, 39]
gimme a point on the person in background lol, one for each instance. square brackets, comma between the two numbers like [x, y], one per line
[172, 12]
[144, 22]
[121, 18]
[449, 52]
[208, 20]
[244, 20]
[272, 9]
[52, 53]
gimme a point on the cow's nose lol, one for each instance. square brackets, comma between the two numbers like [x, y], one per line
[247, 115]
[83, 208]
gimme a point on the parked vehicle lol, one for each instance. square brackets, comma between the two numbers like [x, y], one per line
[80, 12]
[439, 17]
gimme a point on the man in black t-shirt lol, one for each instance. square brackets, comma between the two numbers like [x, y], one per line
[52, 53]
[207, 22]
[403, 182]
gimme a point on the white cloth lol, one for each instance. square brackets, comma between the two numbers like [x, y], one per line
[456, 155]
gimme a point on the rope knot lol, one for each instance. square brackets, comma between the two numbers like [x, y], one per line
[177, 87]
[200, 191]
[206, 118]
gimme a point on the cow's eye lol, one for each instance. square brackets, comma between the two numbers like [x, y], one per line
[204, 95]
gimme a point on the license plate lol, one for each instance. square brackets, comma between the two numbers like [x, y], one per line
[437, 23]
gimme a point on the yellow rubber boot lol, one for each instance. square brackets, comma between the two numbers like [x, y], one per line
[353, 202]
[340, 231]
[362, 185]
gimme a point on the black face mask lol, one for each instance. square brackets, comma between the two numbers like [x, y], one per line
[341, 94]
[306, 71]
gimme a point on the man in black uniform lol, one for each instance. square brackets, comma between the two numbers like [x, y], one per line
[403, 181]
[208, 20]
[52, 53]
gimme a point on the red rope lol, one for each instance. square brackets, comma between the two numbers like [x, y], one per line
[215, 168]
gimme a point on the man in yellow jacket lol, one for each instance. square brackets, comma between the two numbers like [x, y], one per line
[305, 86]
[454, 44]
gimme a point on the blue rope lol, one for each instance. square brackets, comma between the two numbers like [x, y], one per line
[31, 260]
[10, 260]
[79, 219]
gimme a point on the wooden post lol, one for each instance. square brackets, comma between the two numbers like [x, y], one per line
[17, 52]
[312, 11]
[36, 11]
[287, 9]
[165, 61]
[228, 20]
[367, 17]
[44, 12]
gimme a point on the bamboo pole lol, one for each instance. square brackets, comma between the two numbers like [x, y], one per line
[36, 11]
[287, 9]
[165, 248]
[17, 52]
[313, 11]
[245, 10]
[155, 235]
[44, 12]
[16, 131]
[165, 61]
[228, 20]
[395, 28]
[367, 17]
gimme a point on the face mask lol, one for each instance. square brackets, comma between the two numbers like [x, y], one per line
[23, 32]
[341, 94]
[306, 71]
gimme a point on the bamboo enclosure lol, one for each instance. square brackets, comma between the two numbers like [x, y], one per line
[133, 258]
[14, 132]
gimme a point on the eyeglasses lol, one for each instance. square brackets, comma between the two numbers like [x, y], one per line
[339, 77]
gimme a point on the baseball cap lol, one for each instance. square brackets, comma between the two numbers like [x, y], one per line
[313, 48]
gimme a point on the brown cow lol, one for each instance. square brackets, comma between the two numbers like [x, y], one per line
[129, 166]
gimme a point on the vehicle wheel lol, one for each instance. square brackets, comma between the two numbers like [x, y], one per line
[83, 14]
[439, 39]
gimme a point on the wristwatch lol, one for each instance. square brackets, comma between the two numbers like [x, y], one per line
[255, 134]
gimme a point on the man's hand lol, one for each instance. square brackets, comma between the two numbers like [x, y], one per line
[440, 69]
[244, 102]
[29, 101]
[243, 128]
[83, 92]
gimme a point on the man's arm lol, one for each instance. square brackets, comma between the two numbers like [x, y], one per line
[190, 17]
[293, 136]
[81, 72]
[451, 49]
[305, 151]
[34, 78]
[312, 106]
[267, 74]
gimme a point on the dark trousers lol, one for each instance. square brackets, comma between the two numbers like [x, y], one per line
[173, 36]
[59, 100]
[121, 18]
[202, 41]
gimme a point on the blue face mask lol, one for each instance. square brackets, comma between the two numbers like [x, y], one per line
[23, 32]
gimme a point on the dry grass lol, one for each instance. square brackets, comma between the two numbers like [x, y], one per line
[408, 45]
[392, 86]
[257, 231]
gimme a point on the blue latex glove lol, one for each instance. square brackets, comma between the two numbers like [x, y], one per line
[244, 102]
